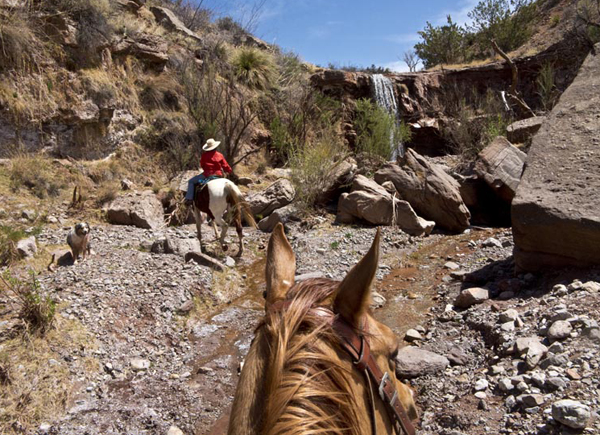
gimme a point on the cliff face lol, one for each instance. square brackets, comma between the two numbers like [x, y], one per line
[430, 99]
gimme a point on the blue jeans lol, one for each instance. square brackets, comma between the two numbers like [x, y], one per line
[189, 195]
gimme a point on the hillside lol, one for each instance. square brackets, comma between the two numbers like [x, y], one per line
[104, 108]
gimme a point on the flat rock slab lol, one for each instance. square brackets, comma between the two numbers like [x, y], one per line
[556, 211]
[413, 362]
[523, 130]
[500, 164]
[472, 296]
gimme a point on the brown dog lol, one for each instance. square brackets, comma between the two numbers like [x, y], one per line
[79, 241]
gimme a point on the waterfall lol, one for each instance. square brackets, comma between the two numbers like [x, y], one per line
[384, 96]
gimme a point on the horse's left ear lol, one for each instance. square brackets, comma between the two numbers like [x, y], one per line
[354, 293]
[281, 266]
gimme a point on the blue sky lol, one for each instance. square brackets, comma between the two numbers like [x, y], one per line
[346, 32]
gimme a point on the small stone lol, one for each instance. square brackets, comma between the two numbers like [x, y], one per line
[555, 383]
[509, 315]
[508, 326]
[480, 395]
[510, 402]
[538, 379]
[45, 428]
[378, 300]
[174, 430]
[413, 335]
[127, 184]
[505, 385]
[186, 307]
[575, 285]
[27, 248]
[535, 353]
[472, 296]
[481, 385]
[560, 290]
[559, 330]
[531, 400]
[451, 265]
[571, 413]
[591, 287]
[573, 374]
[28, 214]
[492, 243]
[139, 364]
[556, 348]
[413, 362]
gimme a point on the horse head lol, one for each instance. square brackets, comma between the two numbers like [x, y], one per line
[299, 376]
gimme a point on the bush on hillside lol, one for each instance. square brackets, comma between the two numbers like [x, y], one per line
[475, 121]
[377, 130]
[34, 173]
[253, 67]
[313, 168]
[505, 21]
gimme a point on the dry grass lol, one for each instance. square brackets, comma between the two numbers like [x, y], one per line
[37, 379]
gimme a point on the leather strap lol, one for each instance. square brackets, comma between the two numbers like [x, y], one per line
[358, 348]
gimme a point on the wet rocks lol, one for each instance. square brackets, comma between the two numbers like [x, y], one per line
[571, 413]
[413, 362]
[140, 209]
[430, 191]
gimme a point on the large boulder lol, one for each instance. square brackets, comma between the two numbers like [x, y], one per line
[141, 209]
[342, 177]
[371, 202]
[431, 192]
[27, 248]
[277, 195]
[523, 130]
[555, 213]
[282, 215]
[501, 164]
[413, 362]
[170, 21]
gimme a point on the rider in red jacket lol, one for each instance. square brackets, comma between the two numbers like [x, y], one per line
[213, 164]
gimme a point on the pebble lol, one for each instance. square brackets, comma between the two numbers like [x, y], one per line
[139, 364]
[451, 265]
[413, 335]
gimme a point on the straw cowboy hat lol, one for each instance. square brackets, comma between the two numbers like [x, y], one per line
[210, 145]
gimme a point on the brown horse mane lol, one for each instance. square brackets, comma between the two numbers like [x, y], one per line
[307, 389]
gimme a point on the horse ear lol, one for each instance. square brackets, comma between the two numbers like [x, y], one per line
[354, 293]
[281, 266]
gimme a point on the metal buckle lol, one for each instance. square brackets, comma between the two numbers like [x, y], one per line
[385, 378]
[362, 350]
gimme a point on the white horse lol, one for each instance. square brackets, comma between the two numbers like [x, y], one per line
[217, 198]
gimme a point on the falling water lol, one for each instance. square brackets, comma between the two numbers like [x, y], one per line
[384, 96]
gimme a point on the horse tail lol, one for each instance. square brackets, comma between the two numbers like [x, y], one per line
[241, 207]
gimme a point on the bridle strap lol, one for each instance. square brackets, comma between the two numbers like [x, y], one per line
[358, 348]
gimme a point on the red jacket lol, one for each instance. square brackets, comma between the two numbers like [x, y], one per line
[214, 163]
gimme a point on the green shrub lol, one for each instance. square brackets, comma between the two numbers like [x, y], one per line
[253, 67]
[546, 87]
[313, 167]
[37, 310]
[442, 45]
[377, 130]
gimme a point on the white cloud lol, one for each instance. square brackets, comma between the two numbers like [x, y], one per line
[459, 14]
[403, 38]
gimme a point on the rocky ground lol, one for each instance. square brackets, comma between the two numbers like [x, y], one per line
[168, 336]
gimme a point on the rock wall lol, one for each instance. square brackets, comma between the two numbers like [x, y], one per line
[556, 210]
[428, 99]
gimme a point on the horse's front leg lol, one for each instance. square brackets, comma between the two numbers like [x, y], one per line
[198, 218]
[223, 226]
[238, 228]
[214, 225]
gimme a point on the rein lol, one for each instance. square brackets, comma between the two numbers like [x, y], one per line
[357, 346]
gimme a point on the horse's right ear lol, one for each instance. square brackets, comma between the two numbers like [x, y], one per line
[281, 266]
